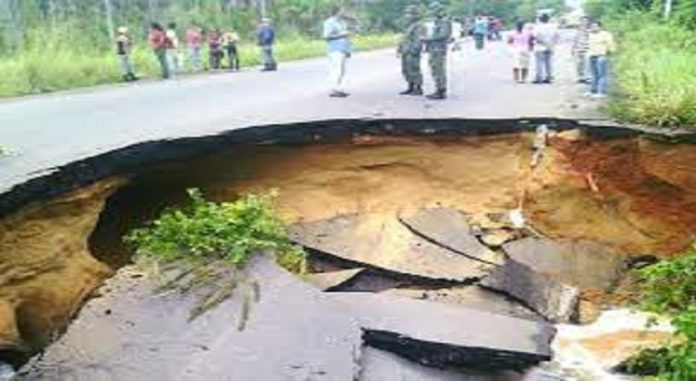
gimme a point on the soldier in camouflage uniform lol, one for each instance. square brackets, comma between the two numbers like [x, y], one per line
[436, 46]
[410, 49]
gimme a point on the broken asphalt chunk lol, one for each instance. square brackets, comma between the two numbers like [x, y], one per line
[548, 297]
[449, 228]
[382, 242]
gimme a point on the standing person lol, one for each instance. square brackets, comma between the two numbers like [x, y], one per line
[338, 49]
[173, 58]
[580, 47]
[497, 25]
[124, 45]
[229, 41]
[480, 31]
[601, 45]
[159, 44]
[194, 40]
[266, 39]
[545, 40]
[410, 49]
[215, 49]
[436, 45]
[521, 42]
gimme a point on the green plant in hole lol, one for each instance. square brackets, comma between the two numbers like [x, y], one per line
[669, 288]
[207, 244]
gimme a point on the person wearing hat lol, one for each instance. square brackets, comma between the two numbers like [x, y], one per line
[410, 49]
[436, 45]
[123, 50]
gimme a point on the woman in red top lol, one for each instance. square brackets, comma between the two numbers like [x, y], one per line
[160, 43]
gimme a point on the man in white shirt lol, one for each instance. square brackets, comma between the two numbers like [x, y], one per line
[545, 40]
[338, 49]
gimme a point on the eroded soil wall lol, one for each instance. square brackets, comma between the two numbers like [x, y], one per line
[633, 193]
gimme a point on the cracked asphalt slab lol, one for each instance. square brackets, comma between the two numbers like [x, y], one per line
[52, 130]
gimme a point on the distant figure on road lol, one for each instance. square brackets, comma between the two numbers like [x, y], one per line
[521, 42]
[580, 47]
[496, 26]
[229, 41]
[194, 40]
[215, 49]
[436, 45]
[480, 31]
[266, 39]
[601, 45]
[545, 40]
[124, 45]
[160, 44]
[410, 50]
[173, 58]
[338, 48]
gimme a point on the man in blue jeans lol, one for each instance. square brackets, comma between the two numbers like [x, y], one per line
[600, 45]
[545, 40]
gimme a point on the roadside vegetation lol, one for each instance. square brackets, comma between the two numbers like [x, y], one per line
[207, 245]
[668, 288]
[48, 45]
[655, 67]
[60, 67]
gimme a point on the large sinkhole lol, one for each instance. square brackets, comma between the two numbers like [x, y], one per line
[402, 209]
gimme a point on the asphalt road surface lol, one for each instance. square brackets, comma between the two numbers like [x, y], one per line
[50, 130]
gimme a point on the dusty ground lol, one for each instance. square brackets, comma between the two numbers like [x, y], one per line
[644, 203]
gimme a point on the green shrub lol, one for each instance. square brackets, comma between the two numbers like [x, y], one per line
[208, 243]
[655, 71]
[39, 70]
[669, 288]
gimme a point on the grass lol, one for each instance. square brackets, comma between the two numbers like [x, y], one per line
[669, 288]
[655, 71]
[58, 68]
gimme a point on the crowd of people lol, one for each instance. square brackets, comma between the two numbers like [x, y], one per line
[222, 47]
[529, 43]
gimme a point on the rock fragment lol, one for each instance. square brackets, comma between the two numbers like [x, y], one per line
[328, 281]
[548, 297]
[583, 264]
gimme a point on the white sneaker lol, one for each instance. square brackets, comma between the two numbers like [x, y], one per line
[598, 96]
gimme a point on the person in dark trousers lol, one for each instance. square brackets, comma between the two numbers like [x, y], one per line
[160, 44]
[410, 50]
[215, 52]
[266, 39]
[436, 45]
[229, 41]
[123, 50]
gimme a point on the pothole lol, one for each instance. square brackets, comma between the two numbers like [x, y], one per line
[402, 211]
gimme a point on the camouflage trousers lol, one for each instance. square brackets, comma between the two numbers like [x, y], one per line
[411, 69]
[438, 68]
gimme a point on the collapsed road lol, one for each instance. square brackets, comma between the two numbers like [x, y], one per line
[412, 209]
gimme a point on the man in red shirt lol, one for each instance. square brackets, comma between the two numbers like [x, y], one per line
[160, 43]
